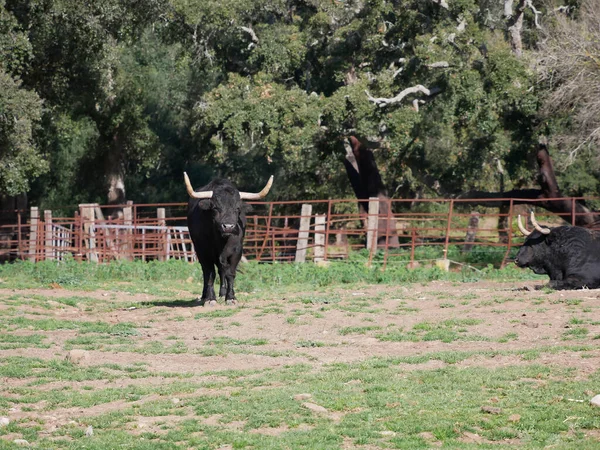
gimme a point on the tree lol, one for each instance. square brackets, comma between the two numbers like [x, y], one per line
[20, 111]
[20, 159]
[568, 67]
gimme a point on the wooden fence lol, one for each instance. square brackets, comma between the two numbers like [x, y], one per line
[276, 231]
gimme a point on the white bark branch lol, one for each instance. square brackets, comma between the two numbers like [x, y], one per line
[442, 3]
[253, 36]
[535, 12]
[438, 65]
[381, 101]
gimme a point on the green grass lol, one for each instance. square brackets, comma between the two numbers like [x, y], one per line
[168, 275]
[372, 403]
[188, 399]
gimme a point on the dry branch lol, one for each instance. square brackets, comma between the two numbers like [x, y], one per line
[382, 101]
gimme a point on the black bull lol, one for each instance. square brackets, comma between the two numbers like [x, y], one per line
[217, 224]
[569, 255]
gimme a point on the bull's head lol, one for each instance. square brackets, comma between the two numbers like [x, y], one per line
[533, 252]
[228, 210]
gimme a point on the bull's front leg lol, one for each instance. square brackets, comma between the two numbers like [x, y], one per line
[229, 292]
[570, 282]
[208, 290]
[223, 280]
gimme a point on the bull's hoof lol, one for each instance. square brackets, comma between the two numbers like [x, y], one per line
[232, 301]
[212, 303]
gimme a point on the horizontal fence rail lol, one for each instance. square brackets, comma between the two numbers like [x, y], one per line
[386, 231]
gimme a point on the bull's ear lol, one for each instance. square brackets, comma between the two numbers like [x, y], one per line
[205, 204]
[246, 208]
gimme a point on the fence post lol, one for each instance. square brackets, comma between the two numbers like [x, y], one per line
[372, 223]
[302, 242]
[49, 250]
[320, 220]
[88, 219]
[162, 251]
[33, 233]
[128, 232]
[471, 231]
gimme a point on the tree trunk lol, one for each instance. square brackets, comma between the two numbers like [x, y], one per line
[549, 191]
[115, 175]
[366, 182]
[515, 25]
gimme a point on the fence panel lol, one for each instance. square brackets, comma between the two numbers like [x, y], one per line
[400, 231]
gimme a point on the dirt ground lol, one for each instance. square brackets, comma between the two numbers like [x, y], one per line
[318, 328]
[538, 318]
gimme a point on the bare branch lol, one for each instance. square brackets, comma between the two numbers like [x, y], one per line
[535, 12]
[253, 36]
[568, 66]
[442, 3]
[438, 65]
[398, 98]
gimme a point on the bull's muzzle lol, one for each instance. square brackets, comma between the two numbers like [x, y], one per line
[228, 228]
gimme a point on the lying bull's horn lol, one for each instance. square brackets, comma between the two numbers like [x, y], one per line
[190, 189]
[258, 195]
[522, 229]
[537, 225]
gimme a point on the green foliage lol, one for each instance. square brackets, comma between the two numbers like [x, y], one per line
[20, 160]
[248, 89]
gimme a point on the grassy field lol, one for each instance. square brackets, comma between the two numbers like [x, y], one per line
[122, 356]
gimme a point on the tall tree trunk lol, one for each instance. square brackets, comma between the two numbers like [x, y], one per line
[115, 175]
[515, 24]
[366, 181]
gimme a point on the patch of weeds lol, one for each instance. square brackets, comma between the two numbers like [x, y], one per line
[508, 337]
[575, 333]
[11, 341]
[576, 321]
[270, 309]
[309, 344]
[51, 324]
[401, 310]
[358, 330]
[318, 300]
[447, 305]
[93, 341]
[152, 348]
[291, 320]
[446, 331]
[225, 340]
[216, 313]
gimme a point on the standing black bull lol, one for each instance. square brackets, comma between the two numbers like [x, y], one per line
[217, 224]
[569, 255]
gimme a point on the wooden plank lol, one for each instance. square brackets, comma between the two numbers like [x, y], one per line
[302, 242]
[34, 217]
[163, 251]
[48, 238]
[372, 223]
[88, 219]
[320, 220]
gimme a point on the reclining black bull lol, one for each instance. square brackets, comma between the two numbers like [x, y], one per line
[569, 255]
[217, 224]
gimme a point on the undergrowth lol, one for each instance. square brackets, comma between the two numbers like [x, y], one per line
[70, 273]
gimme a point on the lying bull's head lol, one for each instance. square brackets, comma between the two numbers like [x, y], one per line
[225, 203]
[534, 252]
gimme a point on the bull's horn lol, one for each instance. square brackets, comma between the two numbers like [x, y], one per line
[258, 195]
[537, 225]
[190, 189]
[522, 229]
